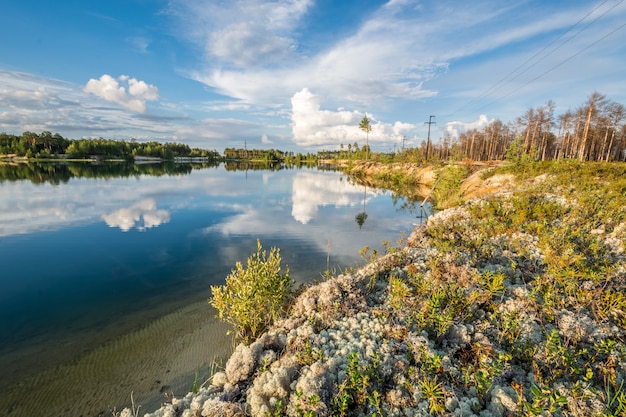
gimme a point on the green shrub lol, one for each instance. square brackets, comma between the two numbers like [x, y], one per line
[447, 190]
[254, 297]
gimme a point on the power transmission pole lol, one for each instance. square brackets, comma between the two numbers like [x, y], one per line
[429, 122]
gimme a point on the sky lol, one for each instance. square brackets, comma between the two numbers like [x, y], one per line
[299, 75]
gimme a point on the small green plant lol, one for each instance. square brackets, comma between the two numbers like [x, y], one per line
[254, 297]
[493, 283]
[279, 409]
[545, 401]
[399, 293]
[433, 392]
[195, 386]
[359, 390]
[305, 407]
[308, 355]
[615, 401]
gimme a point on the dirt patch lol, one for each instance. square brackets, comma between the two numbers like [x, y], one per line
[423, 177]
[475, 187]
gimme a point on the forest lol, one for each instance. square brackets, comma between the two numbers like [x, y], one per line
[594, 131]
[46, 144]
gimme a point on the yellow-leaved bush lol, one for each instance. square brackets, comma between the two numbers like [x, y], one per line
[255, 296]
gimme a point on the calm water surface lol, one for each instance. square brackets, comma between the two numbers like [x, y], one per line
[87, 260]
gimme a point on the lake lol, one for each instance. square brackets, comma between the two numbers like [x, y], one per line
[106, 269]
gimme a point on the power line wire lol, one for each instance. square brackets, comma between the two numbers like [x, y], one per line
[510, 77]
[563, 43]
[556, 66]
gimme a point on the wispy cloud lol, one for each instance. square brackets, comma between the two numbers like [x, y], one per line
[259, 60]
[242, 33]
[395, 53]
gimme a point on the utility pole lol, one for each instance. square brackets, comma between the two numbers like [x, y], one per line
[403, 139]
[429, 122]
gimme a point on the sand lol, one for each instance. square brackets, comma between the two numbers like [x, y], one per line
[157, 359]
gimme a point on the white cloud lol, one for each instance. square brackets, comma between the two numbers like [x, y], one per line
[127, 218]
[248, 44]
[242, 32]
[252, 53]
[110, 89]
[312, 126]
[455, 128]
[30, 102]
[404, 51]
[265, 140]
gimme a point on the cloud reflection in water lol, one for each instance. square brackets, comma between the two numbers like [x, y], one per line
[127, 218]
[314, 189]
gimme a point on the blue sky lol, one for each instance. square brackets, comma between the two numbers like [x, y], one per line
[299, 74]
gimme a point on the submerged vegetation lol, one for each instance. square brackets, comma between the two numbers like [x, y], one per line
[512, 304]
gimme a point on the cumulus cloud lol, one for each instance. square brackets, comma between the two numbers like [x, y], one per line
[454, 129]
[266, 140]
[312, 126]
[125, 91]
[127, 218]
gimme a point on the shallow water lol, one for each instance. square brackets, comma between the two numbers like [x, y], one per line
[105, 279]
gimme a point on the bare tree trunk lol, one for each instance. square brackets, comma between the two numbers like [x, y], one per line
[582, 151]
[608, 153]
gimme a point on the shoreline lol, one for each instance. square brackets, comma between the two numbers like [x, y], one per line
[464, 320]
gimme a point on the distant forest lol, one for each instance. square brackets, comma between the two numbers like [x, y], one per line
[594, 131]
[46, 144]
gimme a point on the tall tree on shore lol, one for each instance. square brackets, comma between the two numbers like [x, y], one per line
[366, 126]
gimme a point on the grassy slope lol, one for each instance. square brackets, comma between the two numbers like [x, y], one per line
[511, 304]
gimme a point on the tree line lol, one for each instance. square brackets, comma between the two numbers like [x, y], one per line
[594, 131]
[45, 144]
[270, 156]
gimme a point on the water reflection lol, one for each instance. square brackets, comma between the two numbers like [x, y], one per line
[312, 190]
[127, 218]
[69, 271]
[58, 173]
